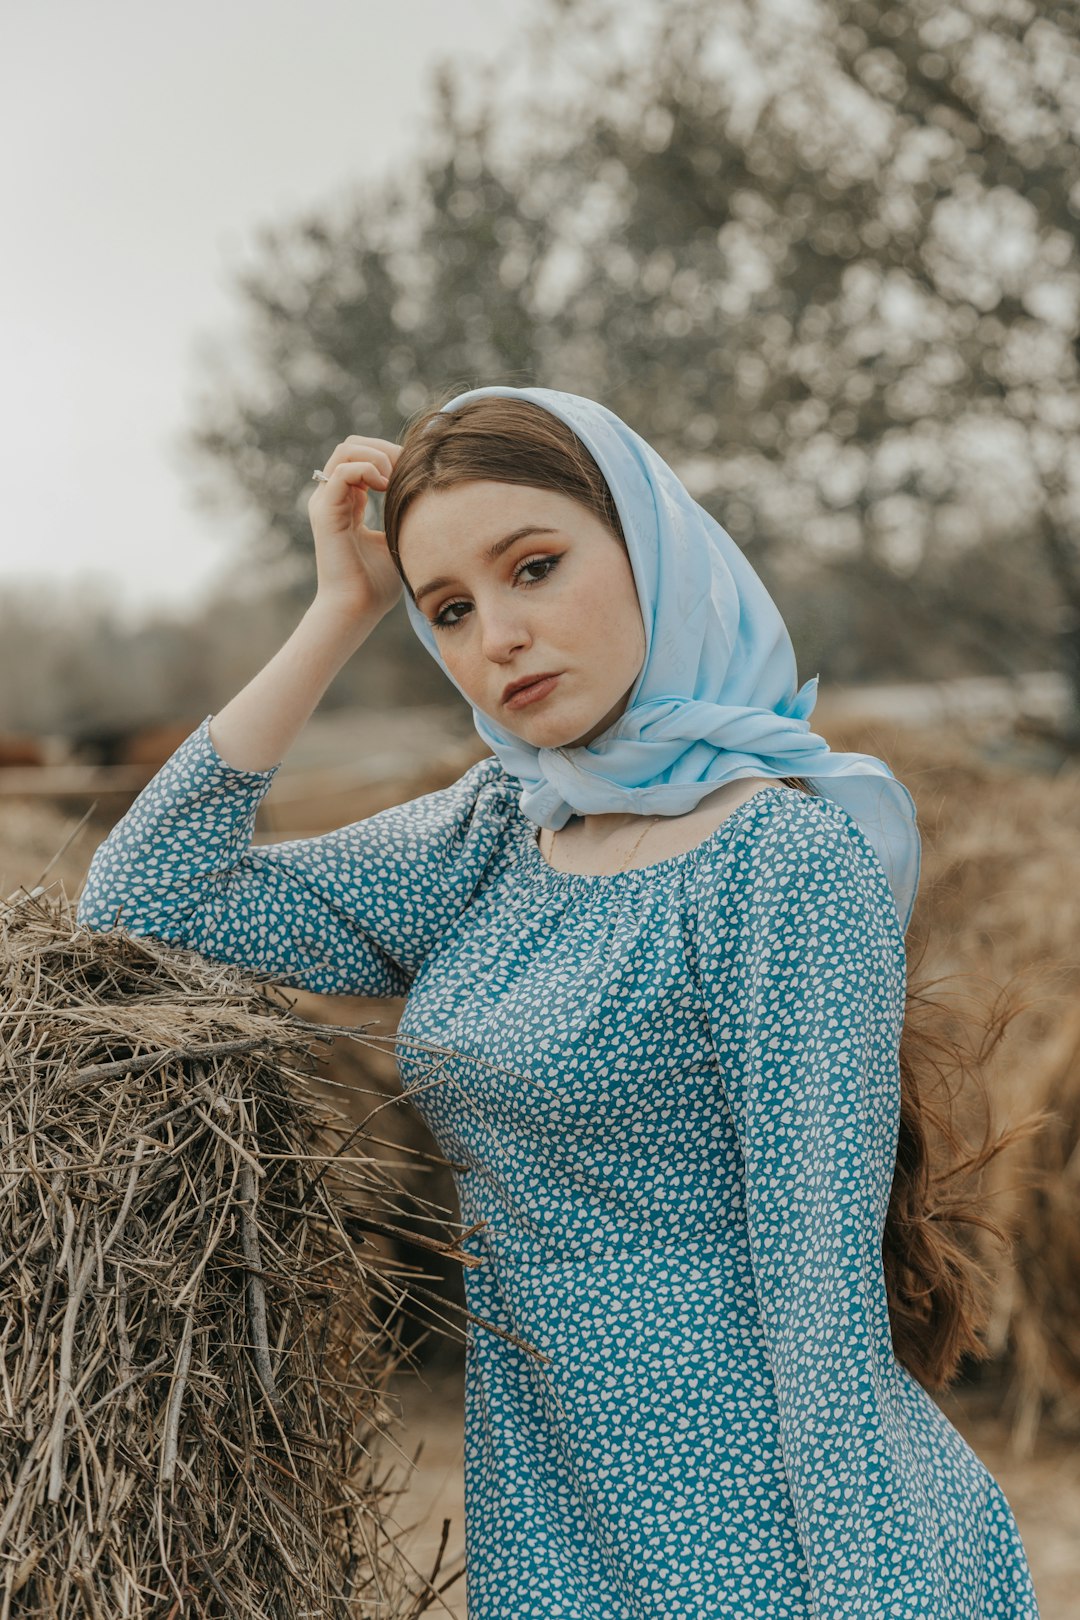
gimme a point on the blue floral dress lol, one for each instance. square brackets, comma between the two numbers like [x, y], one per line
[673, 1096]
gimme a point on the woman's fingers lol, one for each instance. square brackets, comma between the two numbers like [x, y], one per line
[353, 472]
[378, 452]
[393, 450]
[346, 456]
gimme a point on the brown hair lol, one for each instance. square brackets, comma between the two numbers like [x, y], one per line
[933, 1280]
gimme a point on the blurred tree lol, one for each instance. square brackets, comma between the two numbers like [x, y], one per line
[823, 256]
[353, 325]
[75, 666]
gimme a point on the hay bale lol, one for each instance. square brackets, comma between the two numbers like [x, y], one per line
[994, 929]
[196, 1305]
[1047, 1320]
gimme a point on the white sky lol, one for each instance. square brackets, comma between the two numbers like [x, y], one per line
[142, 146]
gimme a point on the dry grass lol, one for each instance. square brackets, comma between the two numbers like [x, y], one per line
[996, 924]
[1045, 1318]
[996, 935]
[197, 1297]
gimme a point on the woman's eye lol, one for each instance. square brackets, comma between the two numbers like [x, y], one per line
[441, 622]
[547, 563]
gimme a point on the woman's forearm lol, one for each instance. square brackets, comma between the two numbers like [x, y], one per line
[256, 728]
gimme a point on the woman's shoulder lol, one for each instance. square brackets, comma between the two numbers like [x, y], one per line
[475, 811]
[487, 783]
[790, 846]
[439, 842]
[779, 822]
[478, 797]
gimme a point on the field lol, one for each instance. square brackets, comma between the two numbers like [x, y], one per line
[999, 809]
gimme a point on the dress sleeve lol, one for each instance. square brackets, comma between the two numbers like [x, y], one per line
[802, 968]
[354, 911]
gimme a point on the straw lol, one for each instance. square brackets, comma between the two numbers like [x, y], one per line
[197, 1296]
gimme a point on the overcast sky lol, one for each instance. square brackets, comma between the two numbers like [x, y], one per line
[143, 145]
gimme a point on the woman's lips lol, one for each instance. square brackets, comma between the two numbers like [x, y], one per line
[531, 694]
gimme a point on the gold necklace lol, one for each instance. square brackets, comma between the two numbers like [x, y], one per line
[622, 864]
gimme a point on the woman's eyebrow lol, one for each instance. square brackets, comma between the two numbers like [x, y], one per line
[493, 551]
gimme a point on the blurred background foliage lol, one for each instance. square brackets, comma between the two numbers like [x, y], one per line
[822, 255]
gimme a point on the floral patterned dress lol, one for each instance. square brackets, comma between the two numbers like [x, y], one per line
[673, 1095]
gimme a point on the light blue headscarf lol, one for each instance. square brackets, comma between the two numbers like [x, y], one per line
[716, 696]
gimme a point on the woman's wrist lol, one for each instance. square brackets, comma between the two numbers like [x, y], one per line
[255, 730]
[341, 623]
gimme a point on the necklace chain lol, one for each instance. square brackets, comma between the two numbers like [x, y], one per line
[623, 864]
[633, 847]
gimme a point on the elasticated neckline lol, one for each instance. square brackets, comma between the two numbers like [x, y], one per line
[534, 862]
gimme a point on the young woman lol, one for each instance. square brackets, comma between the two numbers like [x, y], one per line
[661, 931]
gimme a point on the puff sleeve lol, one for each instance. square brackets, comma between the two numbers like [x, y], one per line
[353, 911]
[802, 968]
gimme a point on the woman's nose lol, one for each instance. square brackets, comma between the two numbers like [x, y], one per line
[503, 632]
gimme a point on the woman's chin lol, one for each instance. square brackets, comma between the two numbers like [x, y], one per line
[550, 738]
[545, 731]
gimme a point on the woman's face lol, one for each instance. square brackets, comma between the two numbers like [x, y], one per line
[560, 601]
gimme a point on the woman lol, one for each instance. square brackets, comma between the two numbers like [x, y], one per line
[661, 930]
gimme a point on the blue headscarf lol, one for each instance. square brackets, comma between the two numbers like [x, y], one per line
[716, 695]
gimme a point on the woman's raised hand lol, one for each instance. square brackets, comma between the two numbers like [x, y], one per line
[356, 574]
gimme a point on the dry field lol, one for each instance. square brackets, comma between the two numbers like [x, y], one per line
[998, 906]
